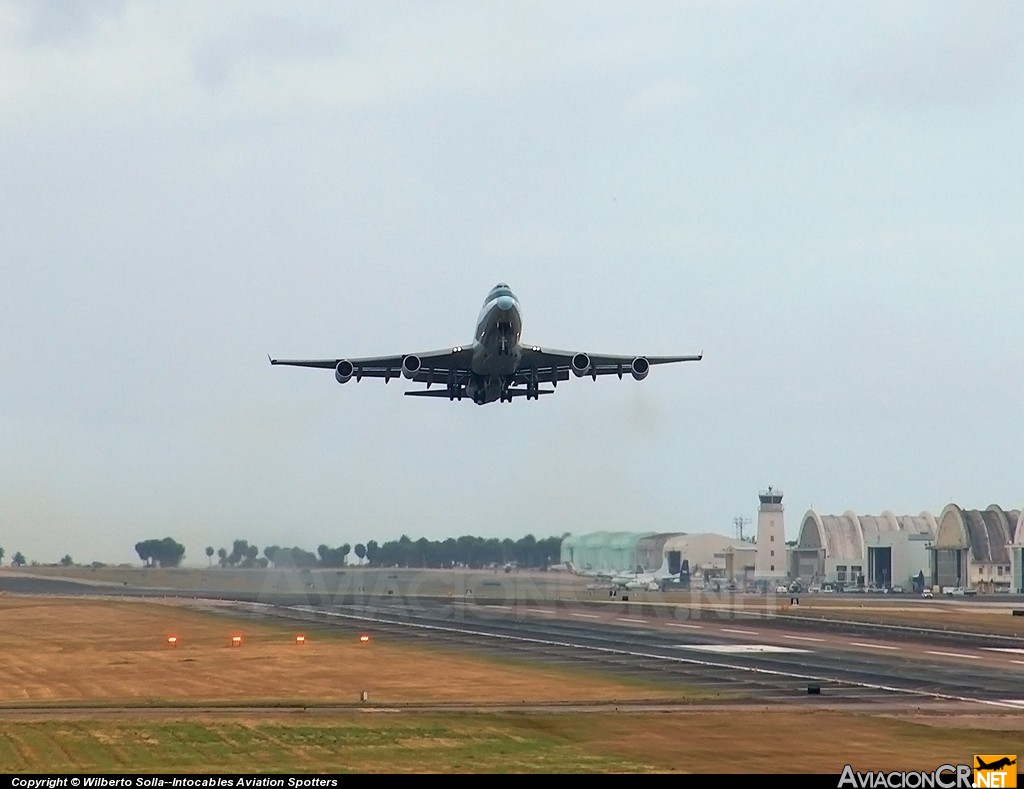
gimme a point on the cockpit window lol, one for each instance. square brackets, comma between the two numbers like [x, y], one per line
[501, 289]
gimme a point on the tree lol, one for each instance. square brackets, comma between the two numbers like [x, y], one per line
[1, 554]
[18, 560]
[360, 550]
[239, 550]
[165, 552]
[67, 561]
[372, 552]
[345, 549]
[332, 557]
[222, 557]
[209, 554]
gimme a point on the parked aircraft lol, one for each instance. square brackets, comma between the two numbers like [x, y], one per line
[495, 366]
[642, 579]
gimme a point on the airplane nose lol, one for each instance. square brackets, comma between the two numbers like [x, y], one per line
[505, 303]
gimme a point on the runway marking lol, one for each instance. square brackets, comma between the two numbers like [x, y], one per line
[871, 646]
[953, 654]
[502, 607]
[541, 610]
[927, 694]
[1019, 662]
[680, 624]
[736, 649]
[636, 621]
[1014, 702]
[803, 638]
[588, 616]
[1015, 650]
[742, 632]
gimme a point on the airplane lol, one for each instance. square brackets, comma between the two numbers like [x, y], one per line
[641, 579]
[1003, 762]
[495, 366]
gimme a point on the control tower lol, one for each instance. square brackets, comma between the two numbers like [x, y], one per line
[772, 563]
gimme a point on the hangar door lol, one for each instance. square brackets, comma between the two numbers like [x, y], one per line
[948, 567]
[880, 567]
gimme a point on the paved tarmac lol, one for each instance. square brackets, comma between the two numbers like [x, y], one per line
[734, 657]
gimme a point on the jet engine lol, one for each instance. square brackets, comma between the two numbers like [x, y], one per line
[343, 372]
[410, 366]
[580, 365]
[639, 368]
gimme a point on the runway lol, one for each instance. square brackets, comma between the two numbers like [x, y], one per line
[768, 661]
[731, 657]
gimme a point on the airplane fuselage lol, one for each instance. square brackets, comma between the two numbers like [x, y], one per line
[496, 352]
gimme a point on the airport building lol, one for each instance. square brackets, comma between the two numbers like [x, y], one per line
[705, 554]
[870, 551]
[606, 551]
[618, 552]
[1017, 558]
[973, 549]
[740, 561]
[771, 565]
[981, 550]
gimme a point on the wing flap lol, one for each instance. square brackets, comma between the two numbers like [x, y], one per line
[547, 359]
[455, 360]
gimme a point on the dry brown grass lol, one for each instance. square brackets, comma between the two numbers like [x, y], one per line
[73, 651]
[108, 656]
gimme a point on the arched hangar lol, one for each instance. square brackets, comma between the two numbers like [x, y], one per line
[870, 551]
[973, 548]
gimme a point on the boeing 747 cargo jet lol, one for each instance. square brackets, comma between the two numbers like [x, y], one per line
[495, 366]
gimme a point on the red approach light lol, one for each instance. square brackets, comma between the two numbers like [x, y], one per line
[300, 639]
[172, 641]
[364, 638]
[236, 641]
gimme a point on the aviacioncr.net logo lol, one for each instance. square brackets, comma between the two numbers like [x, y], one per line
[946, 776]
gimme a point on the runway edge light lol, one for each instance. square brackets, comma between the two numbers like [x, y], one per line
[236, 641]
[300, 639]
[363, 638]
[172, 641]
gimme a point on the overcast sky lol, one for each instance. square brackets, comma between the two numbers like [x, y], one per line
[825, 198]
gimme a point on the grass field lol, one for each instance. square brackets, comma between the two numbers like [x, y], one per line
[73, 651]
[700, 742]
[91, 685]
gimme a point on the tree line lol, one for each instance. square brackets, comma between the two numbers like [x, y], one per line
[465, 551]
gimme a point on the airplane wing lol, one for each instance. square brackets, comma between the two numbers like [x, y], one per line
[429, 367]
[546, 364]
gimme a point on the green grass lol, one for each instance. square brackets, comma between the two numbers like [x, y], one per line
[781, 742]
[497, 745]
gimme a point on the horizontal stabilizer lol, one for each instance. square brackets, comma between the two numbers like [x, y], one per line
[428, 393]
[443, 392]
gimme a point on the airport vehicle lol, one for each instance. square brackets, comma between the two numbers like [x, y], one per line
[495, 366]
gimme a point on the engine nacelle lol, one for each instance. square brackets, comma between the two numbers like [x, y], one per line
[580, 365]
[639, 368]
[410, 366]
[343, 372]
